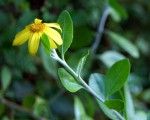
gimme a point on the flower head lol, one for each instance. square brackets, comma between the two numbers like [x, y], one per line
[34, 32]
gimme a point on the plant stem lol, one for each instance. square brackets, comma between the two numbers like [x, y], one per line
[100, 31]
[56, 57]
[15, 106]
[70, 70]
[81, 81]
[117, 114]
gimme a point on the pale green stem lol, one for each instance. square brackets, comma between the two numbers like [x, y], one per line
[56, 57]
[117, 114]
[87, 87]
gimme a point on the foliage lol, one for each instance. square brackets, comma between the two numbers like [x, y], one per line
[32, 83]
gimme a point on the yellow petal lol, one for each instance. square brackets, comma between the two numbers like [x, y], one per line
[54, 25]
[53, 34]
[52, 43]
[36, 21]
[22, 37]
[33, 43]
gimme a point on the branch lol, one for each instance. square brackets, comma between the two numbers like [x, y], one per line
[55, 56]
[100, 31]
[17, 107]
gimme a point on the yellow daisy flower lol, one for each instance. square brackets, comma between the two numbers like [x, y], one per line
[34, 32]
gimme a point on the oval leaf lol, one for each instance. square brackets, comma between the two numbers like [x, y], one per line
[114, 14]
[124, 44]
[110, 57]
[68, 80]
[115, 104]
[116, 76]
[39, 106]
[82, 62]
[6, 76]
[79, 110]
[107, 111]
[96, 82]
[66, 25]
[117, 11]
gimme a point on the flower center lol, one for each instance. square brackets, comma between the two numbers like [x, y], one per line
[37, 27]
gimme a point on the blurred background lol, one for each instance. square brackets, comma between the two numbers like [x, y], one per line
[30, 84]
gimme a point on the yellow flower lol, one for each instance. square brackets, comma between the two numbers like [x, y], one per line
[34, 32]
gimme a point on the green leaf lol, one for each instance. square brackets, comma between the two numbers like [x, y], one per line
[140, 115]
[124, 44]
[66, 25]
[85, 117]
[29, 101]
[68, 80]
[79, 110]
[49, 64]
[116, 76]
[114, 14]
[129, 107]
[96, 82]
[6, 76]
[115, 104]
[90, 107]
[117, 11]
[110, 57]
[82, 62]
[40, 107]
[81, 34]
[107, 111]
[143, 45]
[73, 61]
[46, 44]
